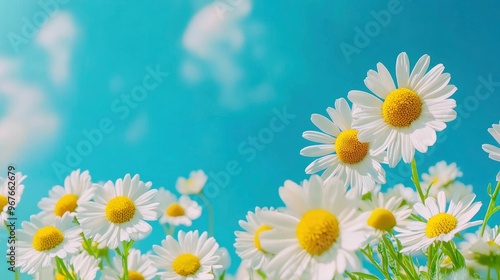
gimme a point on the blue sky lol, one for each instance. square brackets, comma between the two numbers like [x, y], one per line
[220, 71]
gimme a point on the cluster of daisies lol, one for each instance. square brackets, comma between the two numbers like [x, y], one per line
[81, 223]
[336, 225]
[340, 225]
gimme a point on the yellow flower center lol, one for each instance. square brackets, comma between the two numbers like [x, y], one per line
[401, 107]
[492, 243]
[189, 181]
[439, 224]
[67, 203]
[348, 148]
[134, 275]
[60, 276]
[256, 240]
[317, 231]
[120, 209]
[446, 260]
[382, 219]
[47, 238]
[435, 180]
[186, 264]
[175, 210]
[3, 202]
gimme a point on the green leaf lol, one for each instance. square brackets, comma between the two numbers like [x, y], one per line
[365, 276]
[383, 255]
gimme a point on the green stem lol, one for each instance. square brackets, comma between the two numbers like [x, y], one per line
[488, 276]
[416, 181]
[126, 248]
[370, 258]
[491, 206]
[395, 256]
[64, 268]
[210, 211]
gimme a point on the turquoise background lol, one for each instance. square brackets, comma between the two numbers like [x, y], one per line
[291, 56]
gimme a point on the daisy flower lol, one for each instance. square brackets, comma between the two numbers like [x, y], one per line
[248, 246]
[224, 262]
[440, 224]
[405, 118]
[119, 211]
[441, 176]
[7, 189]
[192, 257]
[139, 267]
[383, 215]
[177, 212]
[494, 152]
[192, 185]
[481, 250]
[82, 267]
[340, 152]
[77, 189]
[40, 243]
[318, 233]
[409, 195]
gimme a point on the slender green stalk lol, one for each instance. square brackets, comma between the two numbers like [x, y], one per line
[491, 206]
[67, 274]
[370, 258]
[416, 180]
[488, 276]
[395, 256]
[210, 211]
[126, 248]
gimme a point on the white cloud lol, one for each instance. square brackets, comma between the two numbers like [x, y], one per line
[214, 40]
[57, 37]
[26, 124]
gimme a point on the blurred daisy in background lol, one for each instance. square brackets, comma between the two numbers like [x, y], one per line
[192, 185]
[119, 211]
[40, 243]
[77, 189]
[481, 251]
[193, 256]
[440, 224]
[443, 177]
[248, 246]
[494, 152]
[405, 118]
[5, 188]
[139, 267]
[409, 195]
[340, 152]
[383, 215]
[177, 212]
[319, 231]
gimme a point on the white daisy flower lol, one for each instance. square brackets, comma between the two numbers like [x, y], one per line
[192, 185]
[409, 195]
[405, 118]
[383, 215]
[440, 224]
[39, 243]
[13, 190]
[341, 153]
[77, 189]
[494, 152]
[441, 176]
[82, 267]
[139, 267]
[192, 257]
[224, 262]
[177, 212]
[317, 235]
[248, 246]
[480, 251]
[119, 211]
